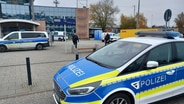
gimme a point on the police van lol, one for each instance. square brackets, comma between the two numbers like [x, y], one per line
[24, 39]
[60, 35]
[136, 70]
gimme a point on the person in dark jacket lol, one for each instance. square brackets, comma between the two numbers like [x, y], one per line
[75, 40]
[107, 39]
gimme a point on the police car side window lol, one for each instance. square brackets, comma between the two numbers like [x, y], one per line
[135, 66]
[32, 35]
[27, 35]
[162, 54]
[42, 35]
[13, 36]
[180, 51]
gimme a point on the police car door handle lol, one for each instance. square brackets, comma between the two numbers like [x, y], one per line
[170, 72]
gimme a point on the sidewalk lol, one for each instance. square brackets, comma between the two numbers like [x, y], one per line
[44, 64]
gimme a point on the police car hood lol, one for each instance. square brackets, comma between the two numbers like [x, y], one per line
[84, 71]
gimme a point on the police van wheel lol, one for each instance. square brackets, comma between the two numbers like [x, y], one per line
[59, 39]
[39, 47]
[118, 98]
[2, 49]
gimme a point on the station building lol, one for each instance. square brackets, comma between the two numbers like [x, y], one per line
[16, 15]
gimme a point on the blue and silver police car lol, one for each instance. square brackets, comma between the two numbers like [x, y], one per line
[24, 39]
[137, 70]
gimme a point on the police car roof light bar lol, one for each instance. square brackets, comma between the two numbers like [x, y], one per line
[165, 34]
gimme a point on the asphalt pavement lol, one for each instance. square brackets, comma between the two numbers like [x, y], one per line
[43, 64]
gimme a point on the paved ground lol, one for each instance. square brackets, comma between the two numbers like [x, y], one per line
[36, 98]
[44, 64]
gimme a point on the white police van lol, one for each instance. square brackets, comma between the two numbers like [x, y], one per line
[114, 37]
[24, 39]
[60, 35]
[137, 70]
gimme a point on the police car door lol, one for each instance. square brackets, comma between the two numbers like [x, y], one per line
[179, 62]
[155, 81]
[13, 41]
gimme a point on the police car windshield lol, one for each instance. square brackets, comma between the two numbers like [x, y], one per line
[117, 53]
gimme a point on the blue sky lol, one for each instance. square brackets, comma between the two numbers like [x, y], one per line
[153, 10]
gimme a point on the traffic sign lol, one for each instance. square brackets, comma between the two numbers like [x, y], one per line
[167, 15]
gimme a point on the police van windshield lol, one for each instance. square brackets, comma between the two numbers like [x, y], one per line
[116, 54]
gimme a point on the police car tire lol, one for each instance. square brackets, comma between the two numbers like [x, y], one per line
[39, 46]
[120, 97]
[3, 48]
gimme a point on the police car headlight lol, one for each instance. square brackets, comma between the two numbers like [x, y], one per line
[82, 90]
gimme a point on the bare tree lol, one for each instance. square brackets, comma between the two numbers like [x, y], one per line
[102, 14]
[180, 20]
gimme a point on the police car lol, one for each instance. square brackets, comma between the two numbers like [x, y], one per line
[24, 39]
[137, 70]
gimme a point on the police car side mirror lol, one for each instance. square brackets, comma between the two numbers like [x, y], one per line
[152, 64]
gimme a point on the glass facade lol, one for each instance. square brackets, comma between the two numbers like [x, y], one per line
[57, 18]
[15, 1]
[13, 11]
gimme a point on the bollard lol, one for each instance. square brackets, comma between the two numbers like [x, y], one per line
[76, 53]
[28, 71]
[77, 56]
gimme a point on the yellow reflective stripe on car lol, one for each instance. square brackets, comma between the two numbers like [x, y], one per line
[159, 89]
[12, 44]
[141, 73]
[95, 102]
[95, 78]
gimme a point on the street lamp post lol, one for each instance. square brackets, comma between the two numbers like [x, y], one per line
[31, 9]
[134, 10]
[56, 2]
[65, 34]
[137, 24]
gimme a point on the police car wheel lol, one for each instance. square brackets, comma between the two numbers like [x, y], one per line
[2, 48]
[39, 47]
[119, 98]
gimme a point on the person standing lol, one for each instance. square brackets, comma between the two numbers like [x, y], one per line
[107, 39]
[75, 40]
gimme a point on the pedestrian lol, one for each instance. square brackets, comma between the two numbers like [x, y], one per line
[107, 39]
[75, 40]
